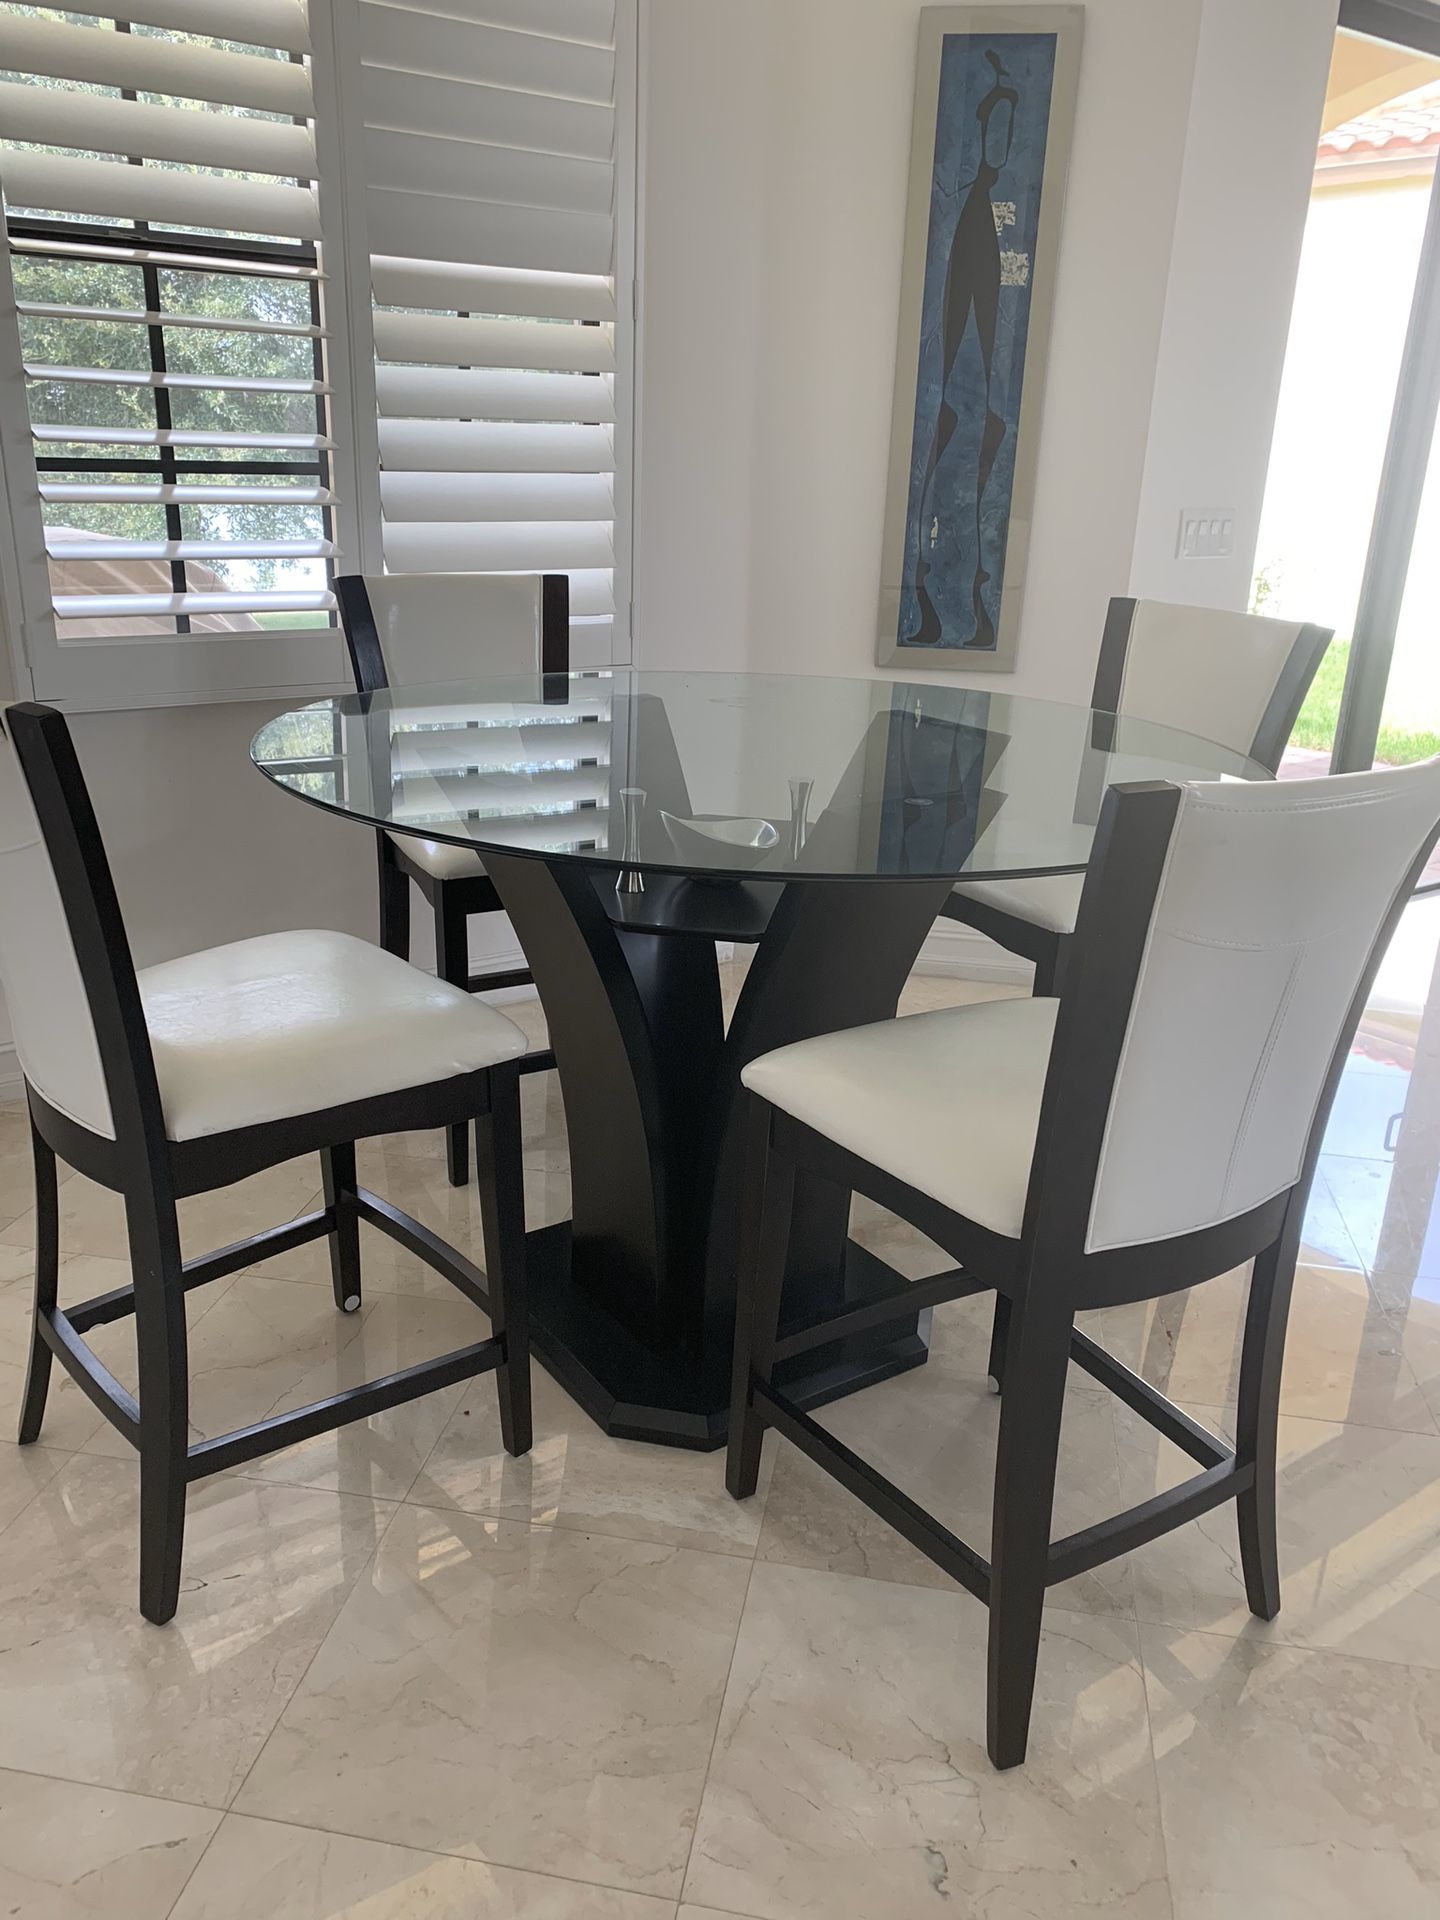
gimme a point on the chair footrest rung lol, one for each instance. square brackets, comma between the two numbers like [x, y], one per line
[106, 1308]
[496, 982]
[425, 1245]
[341, 1409]
[90, 1374]
[1148, 1402]
[873, 1490]
[1137, 1526]
[908, 1296]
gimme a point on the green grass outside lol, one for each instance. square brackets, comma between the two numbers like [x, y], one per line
[288, 622]
[1397, 746]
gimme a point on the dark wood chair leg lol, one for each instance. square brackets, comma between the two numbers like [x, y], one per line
[500, 1175]
[1030, 1415]
[47, 1279]
[1257, 1418]
[337, 1166]
[764, 1244]
[1048, 970]
[452, 963]
[161, 1352]
[394, 903]
[999, 1339]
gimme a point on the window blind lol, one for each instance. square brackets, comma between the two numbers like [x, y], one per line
[164, 290]
[502, 363]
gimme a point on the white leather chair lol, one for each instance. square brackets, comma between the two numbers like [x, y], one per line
[429, 629]
[1238, 679]
[193, 1074]
[1152, 1129]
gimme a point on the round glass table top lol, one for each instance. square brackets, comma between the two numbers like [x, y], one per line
[758, 776]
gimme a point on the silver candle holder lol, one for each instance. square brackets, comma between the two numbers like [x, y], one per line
[800, 792]
[632, 805]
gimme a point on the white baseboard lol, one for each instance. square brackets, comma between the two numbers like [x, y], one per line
[960, 953]
[957, 952]
[506, 960]
[12, 1081]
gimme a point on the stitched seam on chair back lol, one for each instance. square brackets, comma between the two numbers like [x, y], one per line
[1257, 1080]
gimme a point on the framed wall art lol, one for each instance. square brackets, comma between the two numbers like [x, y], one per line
[994, 112]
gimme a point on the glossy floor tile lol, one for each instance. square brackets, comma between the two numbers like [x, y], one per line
[93, 1693]
[260, 1870]
[850, 1776]
[523, 1695]
[70, 1852]
[1359, 1529]
[414, 1679]
[1292, 1782]
[575, 1476]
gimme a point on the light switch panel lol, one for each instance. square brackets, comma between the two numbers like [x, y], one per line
[1206, 533]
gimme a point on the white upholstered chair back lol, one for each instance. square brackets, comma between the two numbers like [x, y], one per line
[1270, 904]
[39, 970]
[440, 627]
[1210, 672]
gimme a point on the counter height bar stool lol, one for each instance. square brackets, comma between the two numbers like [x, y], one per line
[193, 1074]
[1239, 679]
[425, 629]
[1154, 1128]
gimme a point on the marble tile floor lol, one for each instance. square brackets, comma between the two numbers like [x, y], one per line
[412, 1679]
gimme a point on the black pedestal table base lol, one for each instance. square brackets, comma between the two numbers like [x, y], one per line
[638, 1392]
[633, 1298]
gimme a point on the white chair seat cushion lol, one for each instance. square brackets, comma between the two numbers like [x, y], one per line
[292, 1023]
[1051, 900]
[440, 859]
[948, 1101]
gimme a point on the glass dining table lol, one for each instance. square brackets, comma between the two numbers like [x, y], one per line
[636, 825]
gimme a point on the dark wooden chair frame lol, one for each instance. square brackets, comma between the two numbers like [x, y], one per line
[451, 901]
[1043, 946]
[1041, 1281]
[152, 1173]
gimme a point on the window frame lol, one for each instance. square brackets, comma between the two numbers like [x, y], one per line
[164, 464]
[102, 674]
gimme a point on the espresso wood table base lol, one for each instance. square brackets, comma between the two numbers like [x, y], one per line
[633, 1300]
[678, 1399]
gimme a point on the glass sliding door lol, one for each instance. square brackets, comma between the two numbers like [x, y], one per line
[1350, 532]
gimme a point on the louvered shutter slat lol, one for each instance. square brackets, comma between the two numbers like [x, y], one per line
[490, 151]
[99, 124]
[147, 64]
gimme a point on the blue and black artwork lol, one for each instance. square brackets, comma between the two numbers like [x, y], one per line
[994, 116]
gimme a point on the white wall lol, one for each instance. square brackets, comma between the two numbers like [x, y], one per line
[778, 149]
[778, 146]
[1250, 153]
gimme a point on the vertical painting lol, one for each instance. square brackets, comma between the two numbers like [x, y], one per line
[994, 108]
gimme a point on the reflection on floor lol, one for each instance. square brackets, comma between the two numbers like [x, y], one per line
[413, 1677]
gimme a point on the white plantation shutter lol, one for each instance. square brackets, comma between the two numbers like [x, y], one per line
[498, 149]
[433, 207]
[160, 182]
